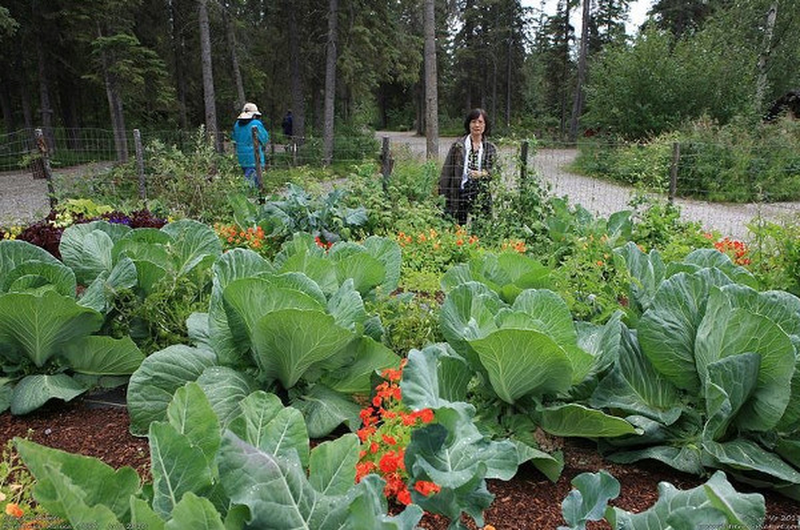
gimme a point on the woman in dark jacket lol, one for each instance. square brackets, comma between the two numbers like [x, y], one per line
[468, 169]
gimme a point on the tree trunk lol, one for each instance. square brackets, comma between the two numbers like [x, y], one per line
[563, 118]
[115, 107]
[180, 77]
[46, 106]
[69, 96]
[297, 85]
[330, 84]
[5, 104]
[230, 34]
[508, 84]
[209, 95]
[577, 103]
[431, 87]
[769, 29]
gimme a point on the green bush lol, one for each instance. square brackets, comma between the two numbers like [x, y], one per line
[737, 162]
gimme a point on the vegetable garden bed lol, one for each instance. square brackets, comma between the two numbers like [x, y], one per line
[528, 501]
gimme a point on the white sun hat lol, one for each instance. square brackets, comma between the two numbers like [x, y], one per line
[248, 111]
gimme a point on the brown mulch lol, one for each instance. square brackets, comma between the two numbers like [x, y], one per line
[528, 501]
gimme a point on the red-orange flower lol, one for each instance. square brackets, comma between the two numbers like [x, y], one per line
[14, 510]
[426, 487]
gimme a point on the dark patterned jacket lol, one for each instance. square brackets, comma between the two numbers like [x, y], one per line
[453, 169]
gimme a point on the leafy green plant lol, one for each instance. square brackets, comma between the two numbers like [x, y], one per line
[47, 346]
[775, 254]
[16, 490]
[453, 452]
[325, 217]
[507, 274]
[715, 503]
[145, 281]
[251, 467]
[297, 327]
[710, 374]
[429, 253]
[409, 320]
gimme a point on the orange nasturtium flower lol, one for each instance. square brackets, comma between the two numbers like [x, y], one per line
[386, 431]
[14, 510]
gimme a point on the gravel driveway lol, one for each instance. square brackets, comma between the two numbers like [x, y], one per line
[24, 199]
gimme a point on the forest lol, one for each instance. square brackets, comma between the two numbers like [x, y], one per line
[354, 65]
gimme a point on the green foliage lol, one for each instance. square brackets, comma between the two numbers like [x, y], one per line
[715, 502]
[410, 321]
[16, 488]
[46, 336]
[775, 254]
[736, 162]
[406, 202]
[644, 165]
[191, 182]
[259, 470]
[709, 374]
[656, 84]
[517, 214]
[658, 225]
[325, 217]
[740, 162]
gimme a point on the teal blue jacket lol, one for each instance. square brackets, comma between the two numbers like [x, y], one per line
[243, 137]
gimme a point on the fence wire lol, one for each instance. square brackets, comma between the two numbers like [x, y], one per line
[700, 170]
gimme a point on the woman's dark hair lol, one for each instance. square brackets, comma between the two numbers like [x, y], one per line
[473, 114]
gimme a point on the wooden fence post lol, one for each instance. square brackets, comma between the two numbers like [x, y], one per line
[41, 144]
[257, 156]
[137, 143]
[673, 171]
[387, 163]
[523, 164]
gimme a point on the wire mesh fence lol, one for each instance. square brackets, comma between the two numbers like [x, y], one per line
[702, 179]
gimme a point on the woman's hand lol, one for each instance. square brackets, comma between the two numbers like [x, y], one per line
[478, 174]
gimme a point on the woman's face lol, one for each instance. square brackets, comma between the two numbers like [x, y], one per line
[477, 126]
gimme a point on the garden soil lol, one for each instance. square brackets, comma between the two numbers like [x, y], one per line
[99, 428]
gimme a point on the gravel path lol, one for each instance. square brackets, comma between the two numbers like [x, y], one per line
[24, 199]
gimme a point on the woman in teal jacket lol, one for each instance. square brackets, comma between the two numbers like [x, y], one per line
[243, 138]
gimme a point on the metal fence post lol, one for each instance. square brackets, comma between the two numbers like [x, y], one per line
[137, 142]
[523, 164]
[257, 156]
[387, 163]
[673, 171]
[41, 143]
